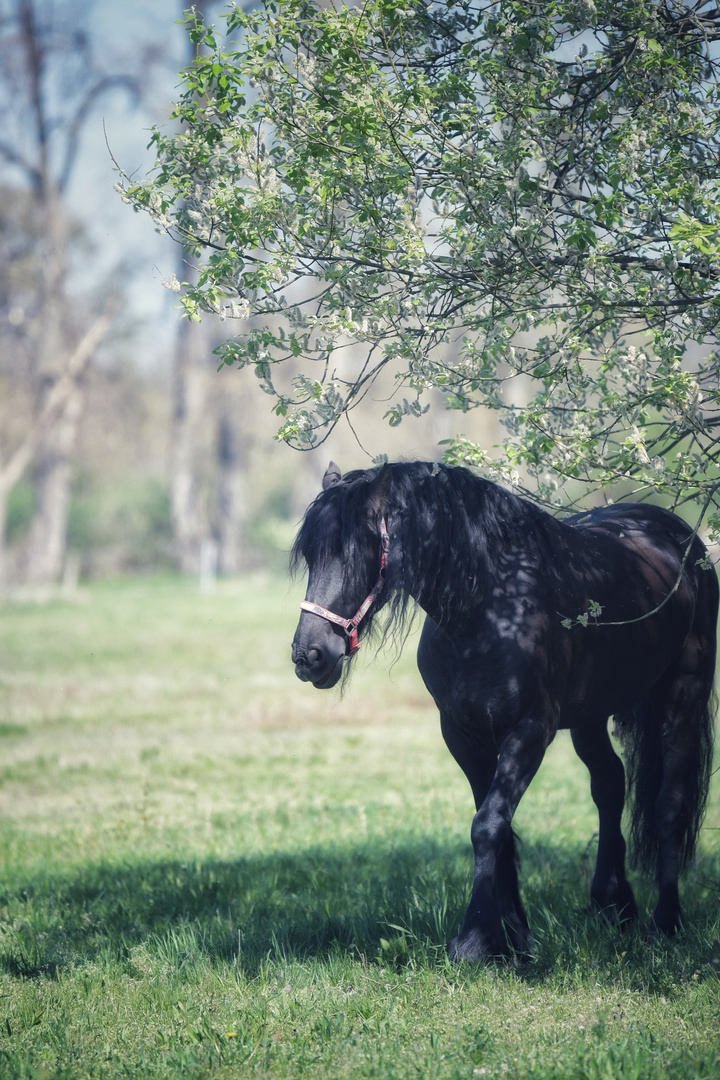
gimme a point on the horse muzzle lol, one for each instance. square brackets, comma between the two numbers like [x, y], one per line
[318, 667]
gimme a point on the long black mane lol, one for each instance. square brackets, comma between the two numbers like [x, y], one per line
[448, 523]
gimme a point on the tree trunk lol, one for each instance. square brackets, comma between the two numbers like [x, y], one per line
[3, 544]
[53, 432]
[190, 525]
[44, 555]
[230, 498]
[189, 389]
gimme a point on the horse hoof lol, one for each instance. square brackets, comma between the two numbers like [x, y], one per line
[618, 906]
[665, 925]
[469, 946]
[475, 947]
[623, 919]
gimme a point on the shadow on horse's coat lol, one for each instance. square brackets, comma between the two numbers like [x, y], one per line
[498, 578]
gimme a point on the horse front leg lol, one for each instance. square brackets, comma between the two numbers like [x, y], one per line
[478, 760]
[610, 890]
[495, 924]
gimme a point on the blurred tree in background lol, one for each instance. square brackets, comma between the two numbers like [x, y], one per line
[514, 204]
[207, 530]
[49, 87]
[93, 448]
[123, 449]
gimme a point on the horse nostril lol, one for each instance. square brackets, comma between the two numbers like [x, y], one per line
[307, 660]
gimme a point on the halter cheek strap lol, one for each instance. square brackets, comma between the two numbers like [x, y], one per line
[351, 626]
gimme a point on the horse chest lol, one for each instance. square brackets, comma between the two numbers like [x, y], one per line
[489, 679]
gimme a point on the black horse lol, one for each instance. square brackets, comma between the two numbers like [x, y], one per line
[533, 624]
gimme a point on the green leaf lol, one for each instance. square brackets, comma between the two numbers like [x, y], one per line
[475, 210]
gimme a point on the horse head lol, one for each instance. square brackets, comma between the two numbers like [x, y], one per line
[343, 541]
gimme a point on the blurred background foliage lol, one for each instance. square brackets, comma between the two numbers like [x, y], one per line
[122, 449]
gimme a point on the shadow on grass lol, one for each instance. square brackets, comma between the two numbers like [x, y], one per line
[395, 906]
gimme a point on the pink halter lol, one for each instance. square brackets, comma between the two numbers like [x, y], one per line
[350, 626]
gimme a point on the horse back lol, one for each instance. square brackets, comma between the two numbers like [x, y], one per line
[584, 616]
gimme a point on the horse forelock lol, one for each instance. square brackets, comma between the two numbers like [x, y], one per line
[335, 526]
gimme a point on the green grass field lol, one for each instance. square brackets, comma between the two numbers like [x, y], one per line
[209, 869]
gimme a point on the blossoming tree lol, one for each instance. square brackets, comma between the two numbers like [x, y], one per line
[474, 194]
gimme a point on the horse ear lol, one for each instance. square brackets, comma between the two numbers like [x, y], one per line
[379, 491]
[332, 476]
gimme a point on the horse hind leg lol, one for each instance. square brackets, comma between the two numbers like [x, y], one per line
[610, 890]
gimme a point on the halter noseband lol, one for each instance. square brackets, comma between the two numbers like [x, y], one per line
[350, 626]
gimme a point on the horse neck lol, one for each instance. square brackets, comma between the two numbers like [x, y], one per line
[443, 562]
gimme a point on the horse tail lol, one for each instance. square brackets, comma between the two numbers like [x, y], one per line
[639, 733]
[646, 728]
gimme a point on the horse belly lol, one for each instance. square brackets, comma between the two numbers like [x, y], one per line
[488, 684]
[619, 668]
